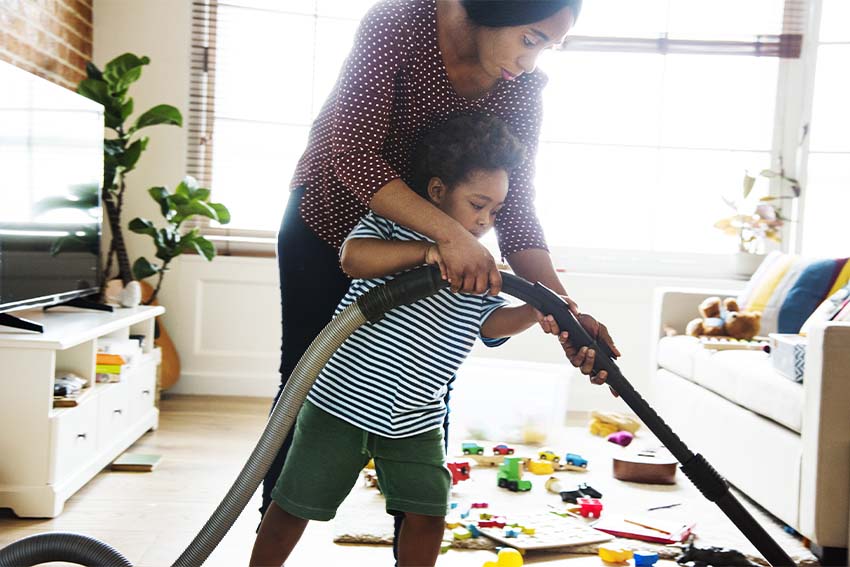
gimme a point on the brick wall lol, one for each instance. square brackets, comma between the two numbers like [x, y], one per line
[50, 38]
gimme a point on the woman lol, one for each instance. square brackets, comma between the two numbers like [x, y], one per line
[413, 64]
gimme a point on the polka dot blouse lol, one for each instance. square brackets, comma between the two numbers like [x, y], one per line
[392, 88]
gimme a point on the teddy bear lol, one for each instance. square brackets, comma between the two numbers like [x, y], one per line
[724, 319]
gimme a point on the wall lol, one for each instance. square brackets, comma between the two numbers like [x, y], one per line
[160, 30]
[50, 38]
[224, 316]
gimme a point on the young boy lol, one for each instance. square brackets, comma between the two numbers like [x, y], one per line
[382, 393]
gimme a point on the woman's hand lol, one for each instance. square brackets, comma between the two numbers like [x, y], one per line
[583, 358]
[469, 265]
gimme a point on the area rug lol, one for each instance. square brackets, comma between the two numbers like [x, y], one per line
[362, 518]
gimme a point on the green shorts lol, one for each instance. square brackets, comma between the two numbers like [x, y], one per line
[328, 454]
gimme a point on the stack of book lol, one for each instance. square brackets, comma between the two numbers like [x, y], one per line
[108, 367]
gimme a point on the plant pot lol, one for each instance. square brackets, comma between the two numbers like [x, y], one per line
[746, 264]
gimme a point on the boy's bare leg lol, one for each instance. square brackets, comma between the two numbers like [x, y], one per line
[419, 539]
[279, 532]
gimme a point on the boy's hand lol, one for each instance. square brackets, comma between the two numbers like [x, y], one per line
[582, 358]
[432, 257]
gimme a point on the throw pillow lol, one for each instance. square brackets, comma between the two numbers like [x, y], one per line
[810, 289]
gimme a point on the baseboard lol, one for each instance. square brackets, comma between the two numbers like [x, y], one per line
[213, 384]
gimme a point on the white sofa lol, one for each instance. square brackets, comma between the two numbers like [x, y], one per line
[785, 445]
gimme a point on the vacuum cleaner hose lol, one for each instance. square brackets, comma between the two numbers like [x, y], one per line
[407, 288]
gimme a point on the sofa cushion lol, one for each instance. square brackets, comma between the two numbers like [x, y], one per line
[747, 378]
[809, 290]
[676, 354]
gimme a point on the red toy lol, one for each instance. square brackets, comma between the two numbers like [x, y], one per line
[590, 507]
[459, 470]
[502, 449]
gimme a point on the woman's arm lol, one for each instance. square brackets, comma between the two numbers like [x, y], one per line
[373, 258]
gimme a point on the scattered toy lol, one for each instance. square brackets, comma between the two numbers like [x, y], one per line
[588, 490]
[548, 455]
[539, 467]
[470, 448]
[645, 558]
[621, 438]
[507, 557]
[512, 532]
[473, 530]
[502, 449]
[510, 475]
[701, 557]
[461, 532]
[614, 554]
[460, 471]
[445, 545]
[575, 460]
[621, 421]
[480, 505]
[590, 507]
[602, 429]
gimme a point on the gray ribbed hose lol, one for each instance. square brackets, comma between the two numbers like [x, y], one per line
[372, 306]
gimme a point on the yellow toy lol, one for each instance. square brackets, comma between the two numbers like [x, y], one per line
[462, 533]
[605, 423]
[507, 557]
[614, 554]
[540, 467]
[548, 455]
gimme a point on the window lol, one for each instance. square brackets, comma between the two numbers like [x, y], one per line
[653, 112]
[827, 180]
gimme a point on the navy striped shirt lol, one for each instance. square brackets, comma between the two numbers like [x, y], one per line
[390, 378]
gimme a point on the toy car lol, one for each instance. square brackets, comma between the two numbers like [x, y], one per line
[502, 449]
[472, 448]
[575, 460]
[548, 455]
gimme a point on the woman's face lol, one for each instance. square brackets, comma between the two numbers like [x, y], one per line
[473, 202]
[506, 53]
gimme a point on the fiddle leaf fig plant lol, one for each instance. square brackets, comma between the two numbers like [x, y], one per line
[187, 201]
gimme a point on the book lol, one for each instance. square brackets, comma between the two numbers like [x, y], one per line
[645, 528]
[136, 462]
[104, 358]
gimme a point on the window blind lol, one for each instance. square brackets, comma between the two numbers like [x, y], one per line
[756, 28]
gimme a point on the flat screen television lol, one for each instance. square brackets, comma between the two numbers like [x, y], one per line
[51, 172]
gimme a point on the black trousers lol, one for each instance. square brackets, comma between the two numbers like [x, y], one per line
[311, 286]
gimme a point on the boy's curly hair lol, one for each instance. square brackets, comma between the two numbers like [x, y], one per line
[461, 145]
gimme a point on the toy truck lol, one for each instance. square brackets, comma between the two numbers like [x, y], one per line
[575, 460]
[510, 475]
[502, 449]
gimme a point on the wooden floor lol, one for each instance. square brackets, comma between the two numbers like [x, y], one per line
[204, 441]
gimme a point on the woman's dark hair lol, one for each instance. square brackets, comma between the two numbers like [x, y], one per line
[461, 145]
[505, 13]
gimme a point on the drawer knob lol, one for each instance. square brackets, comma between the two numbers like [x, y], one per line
[118, 411]
[82, 436]
[146, 392]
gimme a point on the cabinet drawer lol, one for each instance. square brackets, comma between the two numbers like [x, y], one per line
[74, 433]
[142, 388]
[113, 414]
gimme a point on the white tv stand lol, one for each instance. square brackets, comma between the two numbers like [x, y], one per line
[50, 453]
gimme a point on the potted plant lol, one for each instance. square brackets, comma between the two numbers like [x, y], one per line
[757, 220]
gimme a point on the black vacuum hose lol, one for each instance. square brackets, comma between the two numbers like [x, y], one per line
[407, 288]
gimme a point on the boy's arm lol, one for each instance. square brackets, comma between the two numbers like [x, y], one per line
[509, 321]
[372, 258]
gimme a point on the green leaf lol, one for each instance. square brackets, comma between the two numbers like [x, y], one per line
[196, 207]
[160, 114]
[92, 72]
[201, 194]
[123, 71]
[142, 268]
[95, 90]
[749, 181]
[204, 247]
[114, 146]
[132, 154]
[142, 226]
[126, 109]
[160, 195]
[769, 173]
[222, 212]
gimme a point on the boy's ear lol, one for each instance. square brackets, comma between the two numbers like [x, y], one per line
[436, 190]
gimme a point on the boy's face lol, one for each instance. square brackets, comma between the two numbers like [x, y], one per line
[473, 202]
